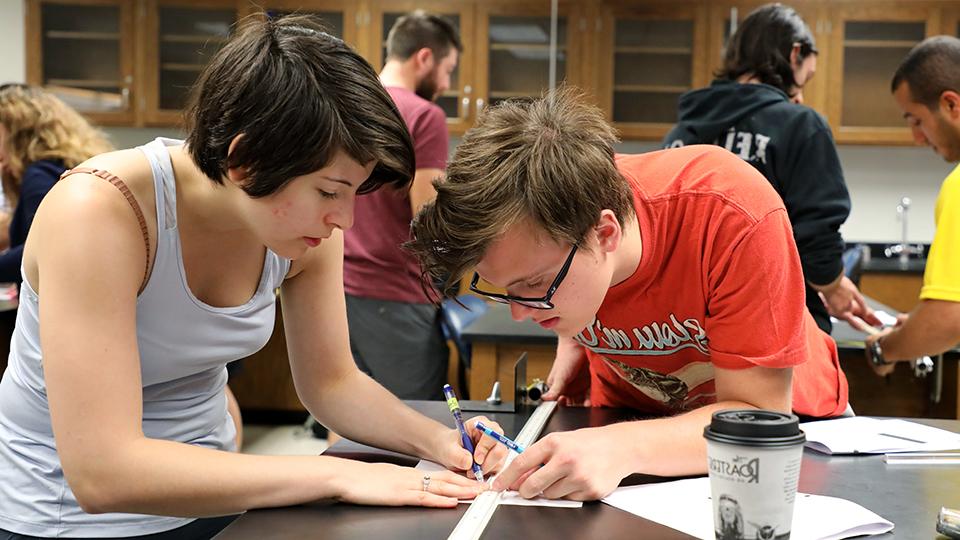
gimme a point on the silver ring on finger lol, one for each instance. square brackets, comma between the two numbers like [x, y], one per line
[426, 482]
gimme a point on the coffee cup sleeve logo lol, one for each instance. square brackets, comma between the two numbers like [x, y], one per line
[740, 469]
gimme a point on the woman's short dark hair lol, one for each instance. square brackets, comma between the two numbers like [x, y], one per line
[931, 68]
[297, 95]
[762, 45]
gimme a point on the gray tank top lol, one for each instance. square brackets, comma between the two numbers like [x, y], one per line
[184, 345]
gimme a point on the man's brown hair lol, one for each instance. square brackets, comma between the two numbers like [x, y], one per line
[419, 29]
[549, 161]
[297, 95]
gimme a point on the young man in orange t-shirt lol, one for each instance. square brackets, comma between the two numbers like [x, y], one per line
[671, 278]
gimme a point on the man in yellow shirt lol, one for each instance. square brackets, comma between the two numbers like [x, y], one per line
[926, 86]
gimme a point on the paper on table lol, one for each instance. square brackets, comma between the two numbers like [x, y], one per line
[685, 505]
[511, 498]
[862, 435]
[886, 319]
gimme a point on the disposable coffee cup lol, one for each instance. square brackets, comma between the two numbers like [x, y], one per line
[753, 459]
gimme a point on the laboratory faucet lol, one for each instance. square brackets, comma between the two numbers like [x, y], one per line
[903, 249]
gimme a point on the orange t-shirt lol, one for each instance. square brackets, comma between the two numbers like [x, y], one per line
[719, 283]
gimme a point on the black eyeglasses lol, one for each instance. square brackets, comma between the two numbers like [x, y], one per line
[535, 303]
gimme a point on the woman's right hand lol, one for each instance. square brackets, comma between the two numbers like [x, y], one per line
[569, 379]
[384, 484]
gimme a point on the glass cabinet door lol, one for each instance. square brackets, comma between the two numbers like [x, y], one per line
[457, 100]
[868, 44]
[650, 57]
[83, 53]
[184, 35]
[513, 47]
[338, 17]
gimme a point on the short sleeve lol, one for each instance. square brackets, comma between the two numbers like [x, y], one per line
[756, 300]
[941, 281]
[430, 139]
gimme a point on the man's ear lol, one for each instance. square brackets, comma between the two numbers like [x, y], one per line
[950, 104]
[609, 232]
[236, 175]
[424, 59]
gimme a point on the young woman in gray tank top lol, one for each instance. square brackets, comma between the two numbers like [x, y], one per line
[147, 270]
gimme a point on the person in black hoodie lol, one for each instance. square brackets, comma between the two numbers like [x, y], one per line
[754, 109]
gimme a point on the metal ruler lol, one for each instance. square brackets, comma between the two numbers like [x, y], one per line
[475, 520]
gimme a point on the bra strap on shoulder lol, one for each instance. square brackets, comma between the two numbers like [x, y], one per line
[118, 183]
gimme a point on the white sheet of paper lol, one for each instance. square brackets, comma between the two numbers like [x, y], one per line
[512, 498]
[862, 435]
[885, 318]
[685, 505]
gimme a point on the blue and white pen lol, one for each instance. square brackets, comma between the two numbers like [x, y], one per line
[464, 438]
[500, 437]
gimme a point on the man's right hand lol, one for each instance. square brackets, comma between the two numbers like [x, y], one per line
[844, 300]
[569, 378]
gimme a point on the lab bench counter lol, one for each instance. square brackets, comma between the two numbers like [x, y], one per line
[497, 341]
[910, 266]
[907, 495]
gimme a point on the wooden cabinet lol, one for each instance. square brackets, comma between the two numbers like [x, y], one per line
[340, 18]
[179, 38]
[867, 42]
[457, 102]
[648, 56]
[82, 51]
[899, 290]
[130, 62]
[513, 49]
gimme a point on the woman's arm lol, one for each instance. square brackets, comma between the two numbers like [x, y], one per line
[87, 275]
[335, 391]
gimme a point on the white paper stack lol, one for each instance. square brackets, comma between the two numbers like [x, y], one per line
[685, 505]
[862, 435]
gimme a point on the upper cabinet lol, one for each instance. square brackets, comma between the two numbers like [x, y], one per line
[648, 55]
[513, 50]
[133, 62]
[340, 18]
[458, 101]
[867, 43]
[180, 37]
[83, 52]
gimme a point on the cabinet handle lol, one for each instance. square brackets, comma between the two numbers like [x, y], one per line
[479, 104]
[125, 98]
[464, 108]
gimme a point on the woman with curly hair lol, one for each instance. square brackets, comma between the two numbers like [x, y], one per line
[40, 138]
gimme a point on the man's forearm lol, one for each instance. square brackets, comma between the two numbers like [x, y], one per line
[933, 327]
[672, 446]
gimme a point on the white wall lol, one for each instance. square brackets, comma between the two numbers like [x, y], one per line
[12, 41]
[877, 176]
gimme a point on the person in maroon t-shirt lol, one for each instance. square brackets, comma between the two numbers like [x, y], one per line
[394, 327]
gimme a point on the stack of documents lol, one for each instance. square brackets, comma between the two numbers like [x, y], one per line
[685, 505]
[862, 435]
